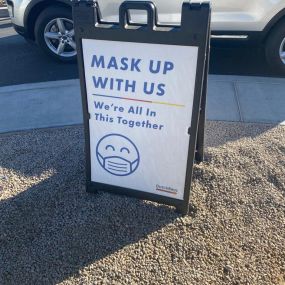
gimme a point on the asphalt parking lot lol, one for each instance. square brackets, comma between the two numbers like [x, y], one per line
[22, 62]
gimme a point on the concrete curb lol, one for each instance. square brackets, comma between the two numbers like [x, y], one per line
[39, 85]
[247, 79]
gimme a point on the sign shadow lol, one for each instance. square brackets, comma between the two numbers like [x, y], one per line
[52, 230]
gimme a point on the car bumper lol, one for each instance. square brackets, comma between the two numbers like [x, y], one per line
[10, 7]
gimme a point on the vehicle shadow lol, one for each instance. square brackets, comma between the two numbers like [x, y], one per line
[53, 229]
[242, 60]
[26, 63]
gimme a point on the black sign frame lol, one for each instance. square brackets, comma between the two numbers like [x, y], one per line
[194, 31]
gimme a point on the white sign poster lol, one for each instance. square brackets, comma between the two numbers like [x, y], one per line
[140, 99]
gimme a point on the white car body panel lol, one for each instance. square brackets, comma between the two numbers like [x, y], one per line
[228, 15]
[244, 15]
[17, 17]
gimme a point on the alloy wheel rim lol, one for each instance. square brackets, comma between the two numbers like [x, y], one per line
[59, 37]
[282, 51]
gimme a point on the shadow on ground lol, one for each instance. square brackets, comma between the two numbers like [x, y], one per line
[54, 228]
[25, 62]
[241, 60]
[51, 229]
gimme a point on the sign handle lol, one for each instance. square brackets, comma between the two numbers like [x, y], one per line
[149, 7]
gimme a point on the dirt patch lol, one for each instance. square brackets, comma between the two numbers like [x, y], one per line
[52, 232]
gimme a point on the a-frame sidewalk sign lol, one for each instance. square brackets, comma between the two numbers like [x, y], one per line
[143, 88]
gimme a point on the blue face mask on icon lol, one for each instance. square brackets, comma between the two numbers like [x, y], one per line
[117, 165]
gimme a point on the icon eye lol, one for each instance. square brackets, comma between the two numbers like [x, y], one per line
[124, 149]
[110, 146]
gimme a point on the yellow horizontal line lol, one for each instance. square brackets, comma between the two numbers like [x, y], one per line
[169, 104]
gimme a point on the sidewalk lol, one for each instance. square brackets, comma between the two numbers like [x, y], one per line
[52, 104]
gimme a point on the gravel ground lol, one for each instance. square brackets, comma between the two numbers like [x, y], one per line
[53, 232]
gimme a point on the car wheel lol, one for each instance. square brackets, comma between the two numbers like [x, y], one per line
[55, 33]
[275, 48]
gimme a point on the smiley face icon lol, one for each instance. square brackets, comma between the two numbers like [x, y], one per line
[117, 155]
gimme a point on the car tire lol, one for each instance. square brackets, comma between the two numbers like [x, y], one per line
[275, 48]
[55, 35]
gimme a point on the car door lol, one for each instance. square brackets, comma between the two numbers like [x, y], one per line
[227, 15]
[231, 14]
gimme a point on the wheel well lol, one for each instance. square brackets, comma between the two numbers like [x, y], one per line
[273, 23]
[35, 11]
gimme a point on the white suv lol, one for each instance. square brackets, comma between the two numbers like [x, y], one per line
[49, 23]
